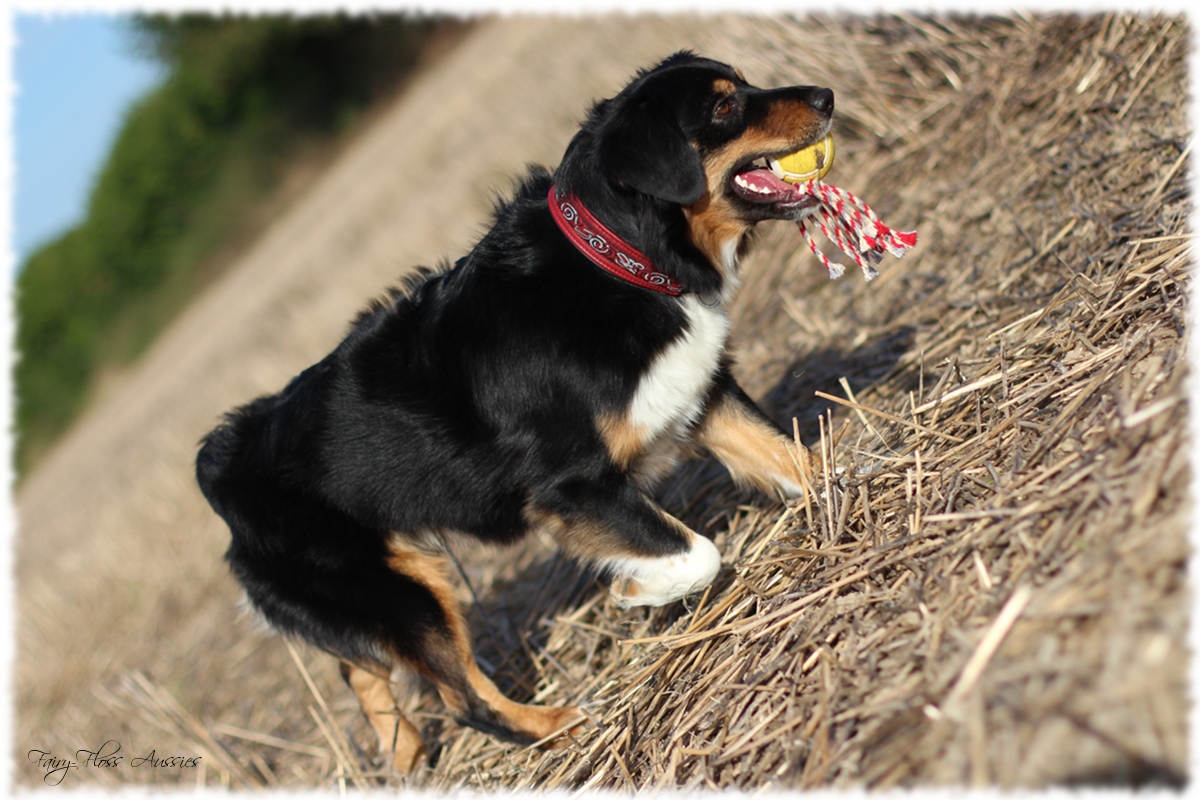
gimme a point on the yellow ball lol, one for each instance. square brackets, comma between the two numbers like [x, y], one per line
[812, 162]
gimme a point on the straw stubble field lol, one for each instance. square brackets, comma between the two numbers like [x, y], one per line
[987, 586]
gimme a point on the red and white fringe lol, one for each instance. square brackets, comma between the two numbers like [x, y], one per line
[851, 224]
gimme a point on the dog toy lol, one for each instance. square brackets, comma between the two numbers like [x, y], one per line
[843, 218]
[810, 163]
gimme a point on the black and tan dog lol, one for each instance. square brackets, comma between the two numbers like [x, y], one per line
[549, 379]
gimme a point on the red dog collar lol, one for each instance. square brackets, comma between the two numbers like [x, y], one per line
[607, 250]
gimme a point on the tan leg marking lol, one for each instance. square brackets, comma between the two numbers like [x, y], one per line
[646, 461]
[585, 540]
[621, 438]
[537, 722]
[396, 734]
[657, 460]
[754, 453]
[454, 650]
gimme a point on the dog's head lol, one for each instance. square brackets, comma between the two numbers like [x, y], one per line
[677, 162]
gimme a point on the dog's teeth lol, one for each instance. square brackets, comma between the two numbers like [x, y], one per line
[745, 184]
[776, 170]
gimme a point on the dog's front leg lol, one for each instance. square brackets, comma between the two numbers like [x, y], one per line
[753, 448]
[653, 558]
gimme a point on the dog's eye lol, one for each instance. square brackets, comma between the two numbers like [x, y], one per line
[724, 107]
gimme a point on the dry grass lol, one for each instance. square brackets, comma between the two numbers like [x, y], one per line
[988, 587]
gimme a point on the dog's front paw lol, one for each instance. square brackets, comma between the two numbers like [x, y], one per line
[642, 581]
[789, 491]
[796, 479]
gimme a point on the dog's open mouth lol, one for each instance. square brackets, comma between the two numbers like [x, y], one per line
[759, 182]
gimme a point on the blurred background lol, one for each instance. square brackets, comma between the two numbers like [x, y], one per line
[75, 78]
[150, 149]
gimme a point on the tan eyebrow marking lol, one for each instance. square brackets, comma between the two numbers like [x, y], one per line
[724, 86]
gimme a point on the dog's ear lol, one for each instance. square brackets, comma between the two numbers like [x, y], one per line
[646, 150]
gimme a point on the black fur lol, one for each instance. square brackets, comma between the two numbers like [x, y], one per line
[472, 395]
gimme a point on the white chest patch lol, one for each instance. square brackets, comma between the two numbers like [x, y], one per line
[672, 392]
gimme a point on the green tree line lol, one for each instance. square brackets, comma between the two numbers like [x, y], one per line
[193, 161]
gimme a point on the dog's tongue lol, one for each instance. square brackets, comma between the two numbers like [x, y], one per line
[760, 185]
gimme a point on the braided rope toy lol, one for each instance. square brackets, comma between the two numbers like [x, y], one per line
[842, 217]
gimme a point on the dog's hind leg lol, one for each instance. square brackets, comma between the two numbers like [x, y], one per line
[396, 734]
[442, 653]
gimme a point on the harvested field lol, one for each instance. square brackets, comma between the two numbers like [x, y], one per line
[987, 586]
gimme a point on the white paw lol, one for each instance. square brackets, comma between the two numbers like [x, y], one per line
[657, 581]
[789, 489]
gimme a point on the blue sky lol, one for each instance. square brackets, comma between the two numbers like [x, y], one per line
[74, 77]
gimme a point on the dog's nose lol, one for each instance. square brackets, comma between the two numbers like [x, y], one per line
[822, 101]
